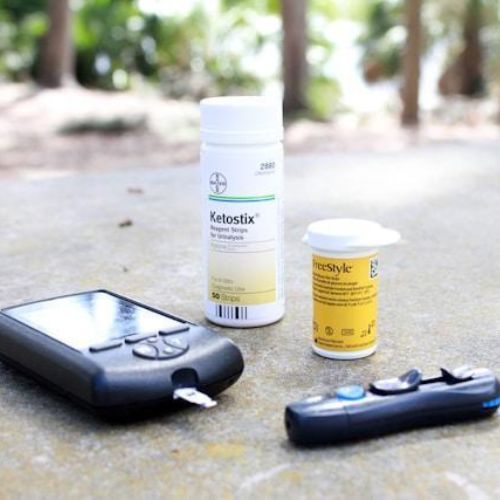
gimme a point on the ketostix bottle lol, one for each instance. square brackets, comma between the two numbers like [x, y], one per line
[242, 186]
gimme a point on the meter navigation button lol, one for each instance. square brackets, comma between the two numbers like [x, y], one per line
[133, 339]
[168, 352]
[105, 346]
[177, 342]
[174, 329]
[146, 351]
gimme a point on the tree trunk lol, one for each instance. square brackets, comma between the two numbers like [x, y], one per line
[56, 58]
[466, 75]
[411, 62]
[472, 81]
[294, 54]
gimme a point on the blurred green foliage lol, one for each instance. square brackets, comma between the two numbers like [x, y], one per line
[382, 40]
[323, 95]
[383, 34]
[323, 91]
[116, 41]
[218, 46]
[195, 53]
[22, 23]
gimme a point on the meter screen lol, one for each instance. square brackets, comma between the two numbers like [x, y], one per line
[83, 320]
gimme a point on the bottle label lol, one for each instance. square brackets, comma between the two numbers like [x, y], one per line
[243, 232]
[345, 303]
[242, 253]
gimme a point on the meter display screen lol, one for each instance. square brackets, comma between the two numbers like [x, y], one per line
[83, 320]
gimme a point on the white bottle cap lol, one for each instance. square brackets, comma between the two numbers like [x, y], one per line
[241, 120]
[346, 235]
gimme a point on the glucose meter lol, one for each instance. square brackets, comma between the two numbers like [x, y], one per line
[115, 355]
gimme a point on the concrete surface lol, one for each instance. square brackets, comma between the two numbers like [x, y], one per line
[439, 305]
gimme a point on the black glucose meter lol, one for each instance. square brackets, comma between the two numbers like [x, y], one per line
[117, 356]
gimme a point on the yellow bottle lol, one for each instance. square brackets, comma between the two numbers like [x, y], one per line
[345, 285]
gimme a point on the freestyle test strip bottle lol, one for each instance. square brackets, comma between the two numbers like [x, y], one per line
[242, 210]
[345, 285]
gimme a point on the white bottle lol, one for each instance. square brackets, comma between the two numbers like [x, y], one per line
[242, 186]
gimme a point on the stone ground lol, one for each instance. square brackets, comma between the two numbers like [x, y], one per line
[438, 307]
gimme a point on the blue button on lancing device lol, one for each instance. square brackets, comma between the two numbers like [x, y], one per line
[350, 392]
[492, 403]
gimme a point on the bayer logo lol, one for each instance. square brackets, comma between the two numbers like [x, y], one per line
[218, 183]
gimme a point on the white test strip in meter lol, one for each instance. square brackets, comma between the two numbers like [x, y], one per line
[191, 395]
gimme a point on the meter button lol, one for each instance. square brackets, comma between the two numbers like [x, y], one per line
[168, 352]
[350, 392]
[174, 329]
[178, 342]
[133, 339]
[146, 351]
[105, 346]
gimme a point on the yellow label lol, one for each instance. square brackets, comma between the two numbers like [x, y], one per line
[236, 280]
[242, 255]
[345, 303]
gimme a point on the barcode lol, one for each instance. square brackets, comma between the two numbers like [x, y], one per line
[231, 312]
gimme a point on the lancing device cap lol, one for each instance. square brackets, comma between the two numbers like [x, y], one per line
[346, 235]
[241, 120]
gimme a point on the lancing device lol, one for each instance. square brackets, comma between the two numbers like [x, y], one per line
[392, 405]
